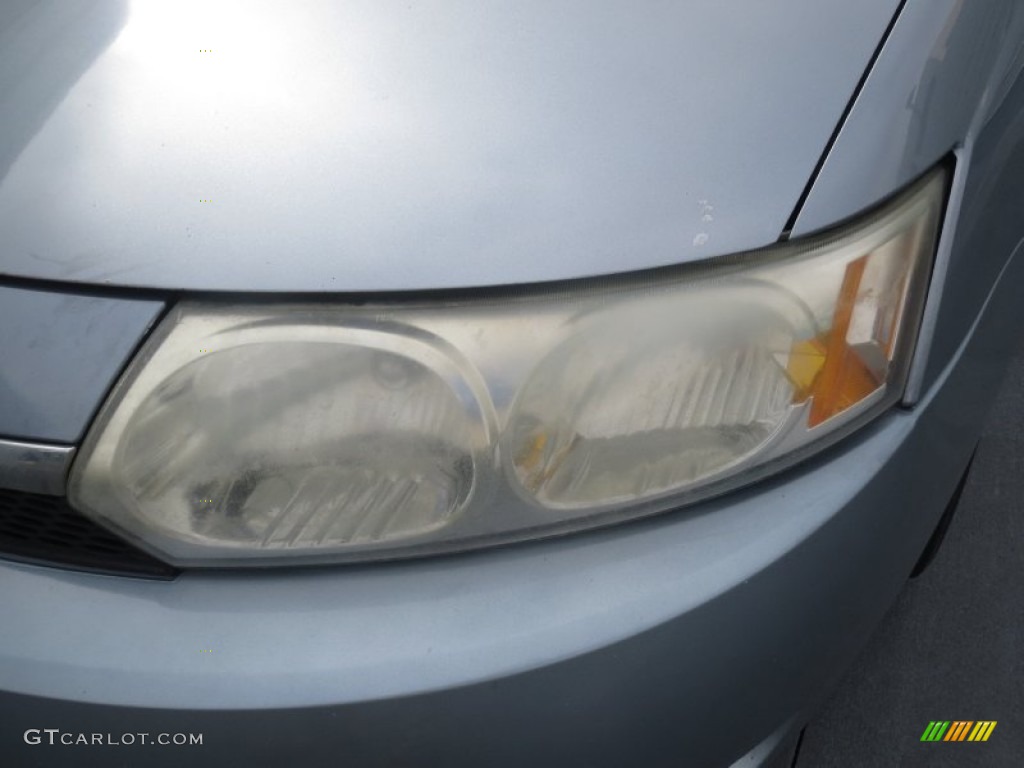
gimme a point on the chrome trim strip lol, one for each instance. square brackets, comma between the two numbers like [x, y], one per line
[35, 467]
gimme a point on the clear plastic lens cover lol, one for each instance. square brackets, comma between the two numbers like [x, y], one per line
[314, 433]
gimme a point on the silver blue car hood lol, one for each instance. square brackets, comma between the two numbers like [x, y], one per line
[385, 146]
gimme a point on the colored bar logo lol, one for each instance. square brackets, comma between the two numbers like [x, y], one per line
[958, 730]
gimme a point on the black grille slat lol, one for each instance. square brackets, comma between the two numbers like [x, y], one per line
[45, 529]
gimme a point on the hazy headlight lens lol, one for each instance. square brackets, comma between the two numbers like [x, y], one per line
[644, 400]
[281, 445]
[297, 438]
[323, 432]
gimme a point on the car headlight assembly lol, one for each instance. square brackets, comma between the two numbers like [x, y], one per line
[274, 434]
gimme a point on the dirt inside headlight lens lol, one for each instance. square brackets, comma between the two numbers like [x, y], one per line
[617, 415]
[278, 434]
[281, 444]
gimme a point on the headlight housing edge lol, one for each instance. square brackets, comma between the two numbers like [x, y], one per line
[315, 433]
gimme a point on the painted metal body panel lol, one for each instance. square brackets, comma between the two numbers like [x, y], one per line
[692, 638]
[388, 146]
[944, 71]
[59, 354]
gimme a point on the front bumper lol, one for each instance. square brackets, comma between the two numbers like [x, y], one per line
[687, 639]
